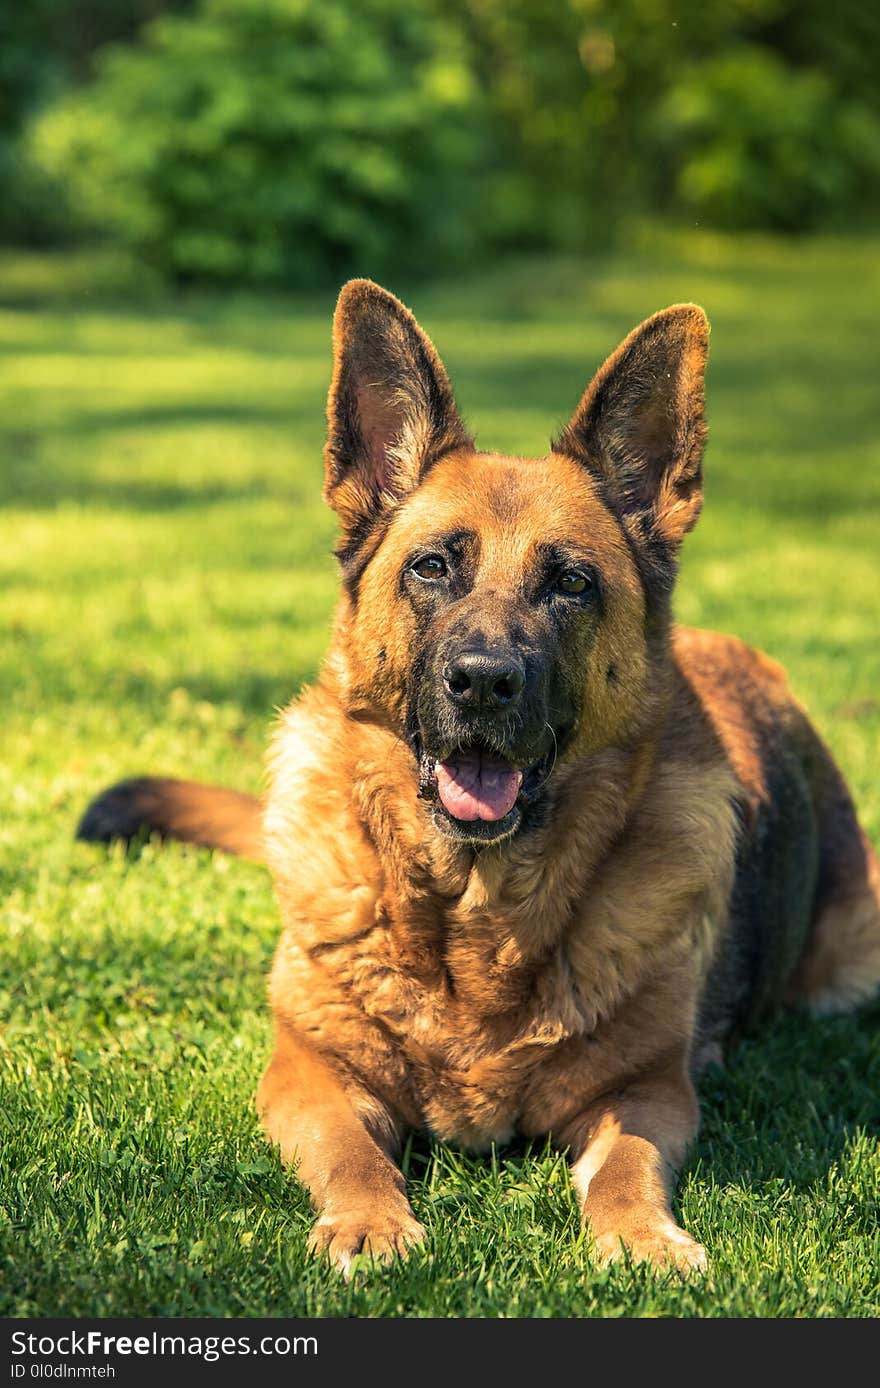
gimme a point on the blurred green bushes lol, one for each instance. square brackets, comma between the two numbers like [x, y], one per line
[277, 140]
[288, 141]
[763, 145]
[47, 46]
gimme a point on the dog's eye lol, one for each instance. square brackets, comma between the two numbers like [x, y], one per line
[574, 582]
[430, 567]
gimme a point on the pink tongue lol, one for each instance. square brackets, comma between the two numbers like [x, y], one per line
[473, 786]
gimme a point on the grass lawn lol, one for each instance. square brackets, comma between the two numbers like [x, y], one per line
[166, 582]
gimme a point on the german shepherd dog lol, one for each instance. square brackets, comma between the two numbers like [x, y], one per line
[537, 851]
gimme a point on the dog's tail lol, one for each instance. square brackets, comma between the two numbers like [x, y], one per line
[210, 816]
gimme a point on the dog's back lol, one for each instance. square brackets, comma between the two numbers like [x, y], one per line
[805, 909]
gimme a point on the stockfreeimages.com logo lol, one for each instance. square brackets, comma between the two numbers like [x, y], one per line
[95, 1344]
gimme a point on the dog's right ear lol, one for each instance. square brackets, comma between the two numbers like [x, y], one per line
[640, 428]
[390, 413]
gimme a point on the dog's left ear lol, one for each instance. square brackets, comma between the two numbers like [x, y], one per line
[390, 412]
[641, 429]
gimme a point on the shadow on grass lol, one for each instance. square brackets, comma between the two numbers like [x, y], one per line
[181, 415]
[790, 1098]
[28, 478]
[47, 492]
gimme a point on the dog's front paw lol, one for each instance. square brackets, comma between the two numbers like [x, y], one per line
[365, 1234]
[662, 1244]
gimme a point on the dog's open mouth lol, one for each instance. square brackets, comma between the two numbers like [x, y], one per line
[475, 785]
[477, 795]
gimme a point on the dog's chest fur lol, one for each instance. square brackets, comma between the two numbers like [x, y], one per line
[461, 1022]
[467, 992]
[469, 1016]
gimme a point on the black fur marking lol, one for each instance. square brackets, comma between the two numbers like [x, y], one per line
[771, 906]
[358, 548]
[360, 545]
[654, 560]
[554, 560]
[460, 548]
[116, 814]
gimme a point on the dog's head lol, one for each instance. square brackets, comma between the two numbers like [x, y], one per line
[504, 614]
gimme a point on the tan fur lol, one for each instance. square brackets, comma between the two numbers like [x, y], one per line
[567, 979]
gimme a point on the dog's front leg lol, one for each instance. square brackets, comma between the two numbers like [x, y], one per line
[339, 1137]
[625, 1150]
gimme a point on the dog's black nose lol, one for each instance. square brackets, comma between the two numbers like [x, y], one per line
[479, 680]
